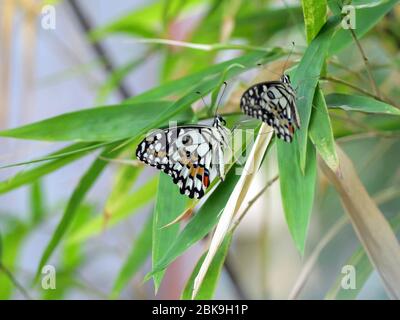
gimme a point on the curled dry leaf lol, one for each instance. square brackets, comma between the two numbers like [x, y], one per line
[371, 227]
[235, 201]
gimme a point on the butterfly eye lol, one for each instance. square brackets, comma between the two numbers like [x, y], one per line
[186, 140]
[285, 78]
[220, 120]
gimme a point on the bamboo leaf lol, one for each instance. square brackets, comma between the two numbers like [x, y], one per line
[95, 124]
[10, 248]
[209, 285]
[370, 225]
[366, 18]
[127, 206]
[310, 66]
[363, 268]
[188, 84]
[297, 189]
[321, 133]
[233, 205]
[117, 77]
[169, 205]
[217, 91]
[360, 103]
[136, 116]
[201, 224]
[144, 21]
[32, 175]
[1, 249]
[70, 150]
[36, 201]
[125, 178]
[84, 185]
[140, 251]
[314, 12]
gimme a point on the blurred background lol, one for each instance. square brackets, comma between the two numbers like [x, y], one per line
[50, 71]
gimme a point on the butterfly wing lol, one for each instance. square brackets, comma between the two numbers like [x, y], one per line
[274, 103]
[184, 153]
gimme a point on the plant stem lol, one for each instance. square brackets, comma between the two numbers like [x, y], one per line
[305, 273]
[234, 279]
[253, 200]
[367, 93]
[367, 66]
[10, 276]
[98, 49]
[354, 123]
[366, 135]
[350, 85]
[313, 258]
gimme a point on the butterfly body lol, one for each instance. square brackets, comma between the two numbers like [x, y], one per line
[273, 102]
[192, 155]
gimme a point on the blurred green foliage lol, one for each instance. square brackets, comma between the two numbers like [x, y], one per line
[337, 106]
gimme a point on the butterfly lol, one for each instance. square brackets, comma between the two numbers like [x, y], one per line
[273, 102]
[192, 155]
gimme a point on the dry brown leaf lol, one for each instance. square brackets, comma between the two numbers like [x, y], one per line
[372, 229]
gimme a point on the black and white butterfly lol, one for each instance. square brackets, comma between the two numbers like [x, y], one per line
[273, 102]
[192, 155]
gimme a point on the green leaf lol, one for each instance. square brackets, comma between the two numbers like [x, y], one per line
[371, 226]
[169, 205]
[117, 77]
[127, 206]
[70, 150]
[360, 103]
[189, 83]
[145, 21]
[124, 180]
[314, 12]
[71, 259]
[137, 257]
[321, 133]
[10, 249]
[363, 268]
[1, 249]
[366, 18]
[73, 255]
[217, 91]
[36, 201]
[297, 189]
[137, 116]
[335, 6]
[84, 185]
[95, 124]
[306, 78]
[209, 284]
[201, 224]
[32, 175]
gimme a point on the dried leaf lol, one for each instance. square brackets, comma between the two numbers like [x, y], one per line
[371, 227]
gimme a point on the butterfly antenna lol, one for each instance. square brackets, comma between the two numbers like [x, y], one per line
[288, 57]
[237, 125]
[265, 67]
[220, 97]
[202, 98]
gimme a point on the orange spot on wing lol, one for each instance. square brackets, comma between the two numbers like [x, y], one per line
[192, 171]
[206, 181]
